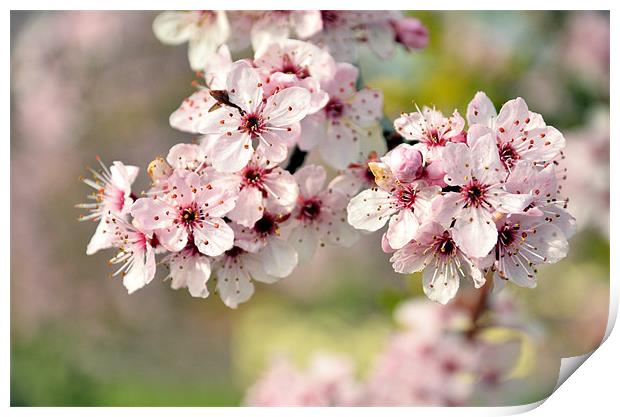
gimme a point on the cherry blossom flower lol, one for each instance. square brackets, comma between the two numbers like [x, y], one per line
[205, 31]
[278, 25]
[136, 254]
[259, 253]
[320, 214]
[406, 205]
[348, 127]
[435, 251]
[236, 269]
[523, 243]
[479, 174]
[261, 185]
[542, 186]
[112, 197]
[190, 209]
[274, 121]
[520, 133]
[191, 269]
[295, 63]
[430, 128]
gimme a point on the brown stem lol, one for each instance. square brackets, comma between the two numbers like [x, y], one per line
[480, 306]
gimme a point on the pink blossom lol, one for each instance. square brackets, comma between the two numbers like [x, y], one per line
[112, 199]
[348, 126]
[431, 129]
[236, 270]
[523, 243]
[406, 205]
[479, 174]
[204, 30]
[136, 254]
[190, 210]
[191, 269]
[520, 133]
[541, 185]
[295, 63]
[320, 213]
[435, 251]
[259, 253]
[359, 175]
[260, 185]
[273, 122]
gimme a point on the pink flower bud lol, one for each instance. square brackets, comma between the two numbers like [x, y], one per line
[405, 162]
[434, 174]
[410, 32]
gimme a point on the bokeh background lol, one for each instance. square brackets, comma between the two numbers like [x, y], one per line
[98, 83]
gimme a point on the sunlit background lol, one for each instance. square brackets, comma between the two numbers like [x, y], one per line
[99, 83]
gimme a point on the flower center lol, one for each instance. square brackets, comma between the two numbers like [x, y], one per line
[334, 108]
[266, 226]
[188, 215]
[407, 197]
[290, 67]
[252, 176]
[508, 234]
[445, 246]
[252, 124]
[311, 210]
[508, 155]
[434, 139]
[474, 193]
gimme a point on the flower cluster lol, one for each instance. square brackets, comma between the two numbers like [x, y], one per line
[340, 31]
[429, 361]
[460, 202]
[233, 205]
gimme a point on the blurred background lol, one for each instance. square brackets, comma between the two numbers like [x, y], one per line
[99, 83]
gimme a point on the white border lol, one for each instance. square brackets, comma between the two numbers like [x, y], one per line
[592, 390]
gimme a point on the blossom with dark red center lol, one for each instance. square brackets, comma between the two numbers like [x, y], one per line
[520, 133]
[405, 205]
[273, 122]
[319, 216]
[523, 243]
[431, 129]
[348, 126]
[191, 208]
[435, 251]
[479, 176]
